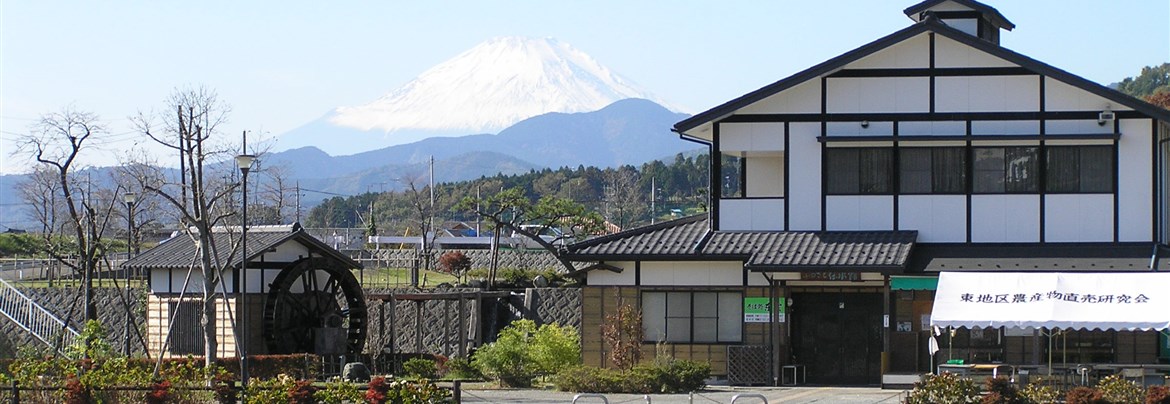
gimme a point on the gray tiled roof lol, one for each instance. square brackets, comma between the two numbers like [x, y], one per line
[672, 238]
[688, 238]
[806, 249]
[180, 251]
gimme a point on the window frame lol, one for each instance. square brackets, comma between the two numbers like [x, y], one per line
[1109, 173]
[691, 317]
[1038, 167]
[933, 156]
[889, 177]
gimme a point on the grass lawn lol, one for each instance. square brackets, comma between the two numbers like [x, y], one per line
[400, 277]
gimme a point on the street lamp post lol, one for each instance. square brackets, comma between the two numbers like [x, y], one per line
[130, 198]
[244, 162]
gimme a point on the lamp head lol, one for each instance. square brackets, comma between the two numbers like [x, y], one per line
[130, 198]
[244, 162]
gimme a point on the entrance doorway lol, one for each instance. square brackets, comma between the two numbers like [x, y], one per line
[837, 336]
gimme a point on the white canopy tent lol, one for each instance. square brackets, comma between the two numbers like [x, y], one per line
[1065, 300]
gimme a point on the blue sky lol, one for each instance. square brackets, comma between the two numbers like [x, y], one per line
[283, 64]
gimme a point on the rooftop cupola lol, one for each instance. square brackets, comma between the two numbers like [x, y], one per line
[969, 16]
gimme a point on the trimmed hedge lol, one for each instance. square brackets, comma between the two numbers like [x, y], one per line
[668, 377]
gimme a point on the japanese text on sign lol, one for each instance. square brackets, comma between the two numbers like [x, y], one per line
[1012, 298]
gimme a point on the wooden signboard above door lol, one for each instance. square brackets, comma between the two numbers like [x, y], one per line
[831, 276]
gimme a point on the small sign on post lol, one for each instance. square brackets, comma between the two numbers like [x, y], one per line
[756, 310]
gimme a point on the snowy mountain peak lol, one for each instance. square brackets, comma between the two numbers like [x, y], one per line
[492, 86]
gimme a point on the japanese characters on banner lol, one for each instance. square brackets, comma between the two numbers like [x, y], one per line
[1118, 301]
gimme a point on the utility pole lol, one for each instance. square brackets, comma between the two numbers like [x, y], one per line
[653, 200]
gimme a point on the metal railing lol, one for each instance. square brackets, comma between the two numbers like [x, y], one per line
[34, 318]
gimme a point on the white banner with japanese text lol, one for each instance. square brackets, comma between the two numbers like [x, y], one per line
[1104, 301]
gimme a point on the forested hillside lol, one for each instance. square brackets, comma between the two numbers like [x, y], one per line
[622, 195]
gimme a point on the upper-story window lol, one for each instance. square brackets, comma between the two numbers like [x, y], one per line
[732, 168]
[934, 170]
[1011, 170]
[1079, 169]
[859, 171]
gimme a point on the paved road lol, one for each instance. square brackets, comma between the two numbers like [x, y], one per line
[716, 394]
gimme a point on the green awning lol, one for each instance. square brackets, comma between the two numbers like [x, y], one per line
[913, 283]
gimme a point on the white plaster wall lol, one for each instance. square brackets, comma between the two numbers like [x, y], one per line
[765, 176]
[804, 187]
[910, 53]
[941, 128]
[859, 212]
[171, 281]
[987, 94]
[878, 94]
[751, 214]
[1063, 97]
[802, 98]
[287, 252]
[735, 214]
[601, 277]
[938, 218]
[1078, 217]
[757, 279]
[687, 273]
[1005, 128]
[1077, 127]
[855, 129]
[751, 137]
[1005, 218]
[950, 53]
[1135, 181]
[159, 283]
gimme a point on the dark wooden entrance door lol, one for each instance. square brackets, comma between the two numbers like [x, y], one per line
[837, 336]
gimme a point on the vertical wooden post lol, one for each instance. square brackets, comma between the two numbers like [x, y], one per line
[462, 307]
[418, 332]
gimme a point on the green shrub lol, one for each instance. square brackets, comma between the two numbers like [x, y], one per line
[523, 351]
[338, 391]
[1000, 390]
[419, 368]
[665, 377]
[944, 388]
[460, 368]
[588, 379]
[1120, 391]
[1039, 392]
[396, 391]
[274, 390]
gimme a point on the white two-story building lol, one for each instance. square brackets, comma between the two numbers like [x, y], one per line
[842, 192]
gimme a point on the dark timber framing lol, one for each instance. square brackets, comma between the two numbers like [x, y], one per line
[787, 175]
[1043, 154]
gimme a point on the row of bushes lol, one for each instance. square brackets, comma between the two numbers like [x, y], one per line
[951, 388]
[379, 390]
[524, 352]
[666, 377]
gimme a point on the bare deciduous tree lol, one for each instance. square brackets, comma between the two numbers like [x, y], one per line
[55, 143]
[623, 200]
[201, 196]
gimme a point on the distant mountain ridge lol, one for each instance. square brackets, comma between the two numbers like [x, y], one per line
[484, 90]
[631, 131]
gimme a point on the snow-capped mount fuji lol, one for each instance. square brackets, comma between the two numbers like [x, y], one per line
[488, 88]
